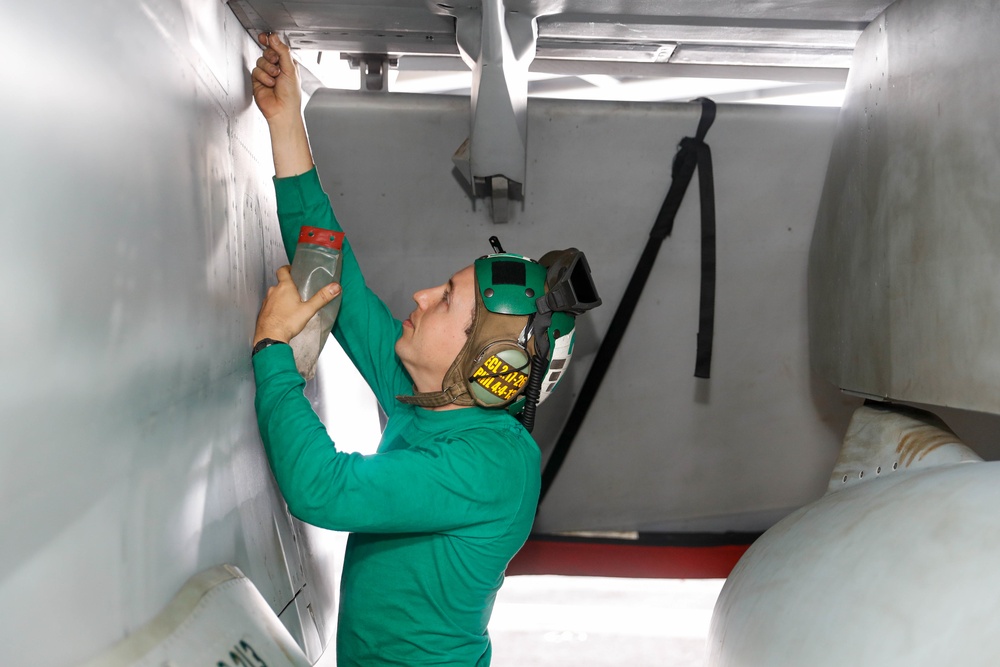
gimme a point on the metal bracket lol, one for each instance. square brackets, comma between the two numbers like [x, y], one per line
[499, 45]
[499, 195]
[374, 69]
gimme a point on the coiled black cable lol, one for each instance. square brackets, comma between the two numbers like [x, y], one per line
[533, 392]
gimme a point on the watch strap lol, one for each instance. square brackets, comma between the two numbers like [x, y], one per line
[264, 343]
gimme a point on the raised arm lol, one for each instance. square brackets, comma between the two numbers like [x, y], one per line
[276, 90]
[365, 327]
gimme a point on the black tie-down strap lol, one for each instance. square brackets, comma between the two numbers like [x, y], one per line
[691, 152]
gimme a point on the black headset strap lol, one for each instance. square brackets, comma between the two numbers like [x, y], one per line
[692, 152]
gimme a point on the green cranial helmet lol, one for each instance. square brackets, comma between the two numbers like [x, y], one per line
[522, 332]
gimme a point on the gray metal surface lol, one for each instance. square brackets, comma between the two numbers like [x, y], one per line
[807, 34]
[139, 236]
[660, 450]
[498, 47]
[904, 278]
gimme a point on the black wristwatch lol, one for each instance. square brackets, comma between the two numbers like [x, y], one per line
[265, 342]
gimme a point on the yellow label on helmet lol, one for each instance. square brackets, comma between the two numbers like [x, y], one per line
[500, 378]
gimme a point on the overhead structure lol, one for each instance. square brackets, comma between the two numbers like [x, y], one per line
[627, 37]
[577, 44]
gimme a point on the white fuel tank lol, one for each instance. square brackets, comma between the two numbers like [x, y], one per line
[895, 565]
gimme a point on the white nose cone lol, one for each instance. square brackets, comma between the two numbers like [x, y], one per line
[218, 619]
[896, 565]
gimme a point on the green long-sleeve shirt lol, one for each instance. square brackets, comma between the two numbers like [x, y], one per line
[436, 514]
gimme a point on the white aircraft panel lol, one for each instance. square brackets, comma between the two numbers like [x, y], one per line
[217, 617]
[138, 239]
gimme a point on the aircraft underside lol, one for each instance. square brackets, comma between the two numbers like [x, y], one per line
[854, 289]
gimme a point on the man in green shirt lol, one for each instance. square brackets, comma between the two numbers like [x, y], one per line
[438, 512]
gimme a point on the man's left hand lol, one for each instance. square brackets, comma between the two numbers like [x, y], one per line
[283, 314]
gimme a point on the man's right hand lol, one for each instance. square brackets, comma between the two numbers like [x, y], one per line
[276, 81]
[283, 315]
[278, 96]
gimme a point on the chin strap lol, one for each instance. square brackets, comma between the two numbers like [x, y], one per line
[454, 394]
[487, 328]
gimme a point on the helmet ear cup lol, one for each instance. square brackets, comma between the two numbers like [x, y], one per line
[499, 374]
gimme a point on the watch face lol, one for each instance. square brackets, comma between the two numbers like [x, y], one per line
[263, 343]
